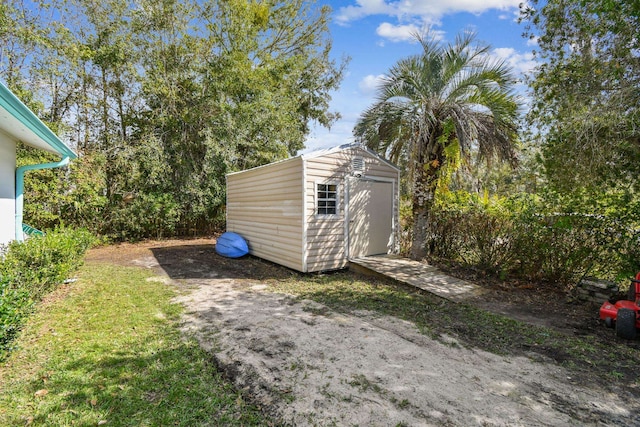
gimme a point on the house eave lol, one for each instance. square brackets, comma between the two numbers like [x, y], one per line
[21, 124]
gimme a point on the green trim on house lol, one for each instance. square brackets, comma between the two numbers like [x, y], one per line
[21, 124]
[20, 190]
[15, 107]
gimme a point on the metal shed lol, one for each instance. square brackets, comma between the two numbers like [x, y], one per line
[316, 211]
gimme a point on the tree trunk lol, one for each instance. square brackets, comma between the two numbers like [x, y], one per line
[423, 198]
[105, 111]
[425, 182]
[418, 244]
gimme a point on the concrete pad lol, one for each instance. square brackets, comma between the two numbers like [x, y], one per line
[417, 274]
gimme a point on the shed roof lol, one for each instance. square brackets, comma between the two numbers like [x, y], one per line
[324, 152]
[331, 150]
[20, 123]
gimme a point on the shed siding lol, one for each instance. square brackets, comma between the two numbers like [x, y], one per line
[326, 236]
[264, 205]
[274, 208]
[326, 244]
[377, 168]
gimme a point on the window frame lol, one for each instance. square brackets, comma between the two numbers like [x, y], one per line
[317, 200]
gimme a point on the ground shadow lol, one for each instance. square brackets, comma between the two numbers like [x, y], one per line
[202, 262]
[128, 381]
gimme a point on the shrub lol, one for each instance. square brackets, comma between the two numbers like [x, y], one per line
[522, 237]
[41, 262]
[31, 269]
[147, 215]
[472, 230]
[72, 196]
[15, 305]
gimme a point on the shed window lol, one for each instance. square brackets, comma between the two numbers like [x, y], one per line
[327, 199]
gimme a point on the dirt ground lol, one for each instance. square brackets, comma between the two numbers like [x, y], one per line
[308, 365]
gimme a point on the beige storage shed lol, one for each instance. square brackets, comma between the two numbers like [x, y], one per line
[316, 211]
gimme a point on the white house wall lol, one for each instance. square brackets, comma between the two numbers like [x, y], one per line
[7, 189]
[264, 205]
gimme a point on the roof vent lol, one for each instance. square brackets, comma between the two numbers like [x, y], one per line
[357, 167]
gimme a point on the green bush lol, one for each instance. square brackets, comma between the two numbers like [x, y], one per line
[71, 196]
[565, 247]
[147, 215]
[474, 235]
[31, 269]
[525, 237]
[15, 306]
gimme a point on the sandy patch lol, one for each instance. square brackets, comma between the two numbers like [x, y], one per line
[312, 366]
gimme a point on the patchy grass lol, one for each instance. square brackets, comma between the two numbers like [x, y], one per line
[471, 326]
[106, 350]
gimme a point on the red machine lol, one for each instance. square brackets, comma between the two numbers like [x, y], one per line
[623, 314]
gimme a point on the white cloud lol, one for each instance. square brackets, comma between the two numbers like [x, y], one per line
[369, 84]
[520, 62]
[428, 10]
[403, 33]
[397, 33]
[522, 65]
[363, 8]
[533, 41]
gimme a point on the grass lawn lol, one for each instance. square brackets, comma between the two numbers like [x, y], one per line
[106, 350]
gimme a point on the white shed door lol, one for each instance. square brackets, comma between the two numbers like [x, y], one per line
[370, 217]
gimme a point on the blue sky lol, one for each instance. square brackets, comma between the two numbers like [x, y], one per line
[375, 34]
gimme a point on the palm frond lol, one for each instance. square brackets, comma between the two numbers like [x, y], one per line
[456, 81]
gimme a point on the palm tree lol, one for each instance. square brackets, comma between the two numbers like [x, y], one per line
[447, 94]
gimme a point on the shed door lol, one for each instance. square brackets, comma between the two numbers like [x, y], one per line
[370, 217]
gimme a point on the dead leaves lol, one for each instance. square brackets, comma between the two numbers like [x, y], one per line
[41, 393]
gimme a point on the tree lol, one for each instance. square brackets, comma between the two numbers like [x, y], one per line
[586, 91]
[164, 97]
[21, 35]
[449, 97]
[269, 66]
[230, 85]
